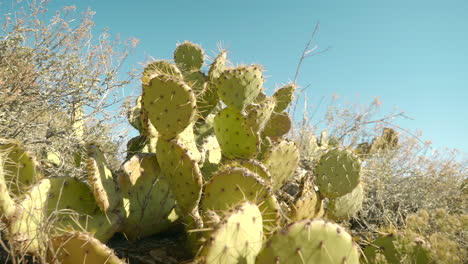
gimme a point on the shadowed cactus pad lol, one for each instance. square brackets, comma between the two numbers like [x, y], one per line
[101, 180]
[239, 86]
[278, 125]
[182, 173]
[337, 173]
[237, 238]
[259, 114]
[236, 138]
[310, 242]
[281, 161]
[189, 56]
[345, 207]
[148, 200]
[81, 248]
[170, 105]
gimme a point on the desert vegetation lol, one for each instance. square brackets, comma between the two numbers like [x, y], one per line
[219, 172]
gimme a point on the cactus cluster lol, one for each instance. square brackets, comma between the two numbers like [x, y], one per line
[212, 154]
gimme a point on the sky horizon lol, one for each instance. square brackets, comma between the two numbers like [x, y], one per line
[412, 55]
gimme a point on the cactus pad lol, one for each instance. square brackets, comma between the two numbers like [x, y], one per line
[337, 173]
[81, 248]
[259, 114]
[189, 56]
[170, 105]
[284, 97]
[149, 198]
[19, 168]
[310, 242]
[182, 173]
[235, 185]
[308, 206]
[278, 125]
[240, 86]
[236, 138]
[346, 206]
[101, 180]
[237, 238]
[7, 205]
[256, 167]
[281, 161]
[196, 80]
[218, 66]
[159, 67]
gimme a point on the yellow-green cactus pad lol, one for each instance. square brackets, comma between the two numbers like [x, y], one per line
[170, 104]
[149, 201]
[307, 206]
[19, 166]
[284, 97]
[182, 173]
[187, 140]
[281, 161]
[238, 87]
[81, 248]
[101, 180]
[278, 125]
[207, 100]
[134, 115]
[236, 138]
[160, 67]
[232, 186]
[346, 206]
[189, 56]
[218, 66]
[7, 205]
[310, 242]
[237, 238]
[259, 114]
[337, 173]
[147, 127]
[256, 167]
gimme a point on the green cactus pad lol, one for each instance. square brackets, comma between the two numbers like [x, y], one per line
[281, 161]
[149, 200]
[137, 144]
[147, 127]
[189, 56]
[160, 67]
[81, 248]
[170, 105]
[284, 97]
[101, 179]
[218, 66]
[337, 173]
[236, 138]
[278, 125]
[187, 140]
[346, 206]
[19, 167]
[238, 87]
[310, 242]
[237, 238]
[259, 114]
[234, 185]
[7, 205]
[182, 173]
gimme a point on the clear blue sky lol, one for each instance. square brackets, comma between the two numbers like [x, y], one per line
[412, 54]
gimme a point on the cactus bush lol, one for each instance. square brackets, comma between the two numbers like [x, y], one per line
[212, 154]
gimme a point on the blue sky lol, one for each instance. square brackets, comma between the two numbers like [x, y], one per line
[411, 54]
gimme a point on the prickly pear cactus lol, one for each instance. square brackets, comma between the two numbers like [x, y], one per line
[284, 97]
[81, 248]
[170, 104]
[189, 56]
[338, 173]
[345, 207]
[147, 197]
[240, 86]
[237, 238]
[281, 161]
[310, 241]
[101, 180]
